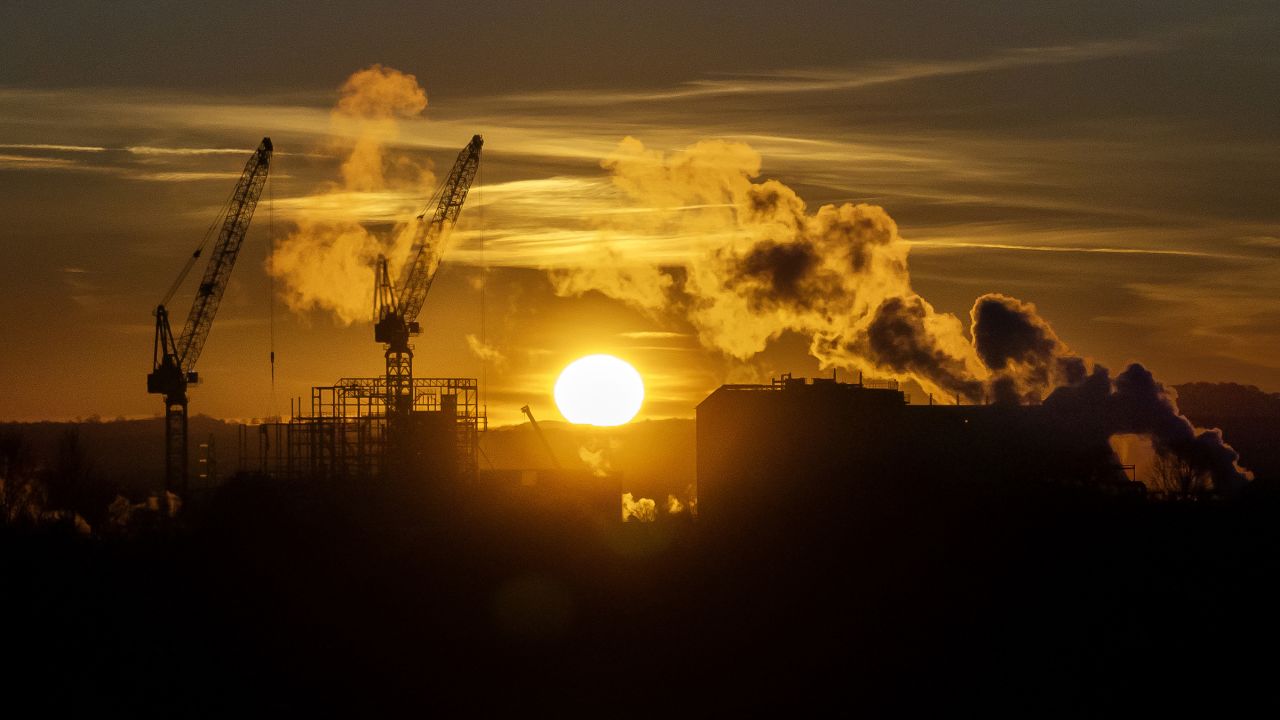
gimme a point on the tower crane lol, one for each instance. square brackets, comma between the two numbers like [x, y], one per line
[396, 308]
[173, 359]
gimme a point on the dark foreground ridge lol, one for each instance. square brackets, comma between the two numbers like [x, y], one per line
[324, 597]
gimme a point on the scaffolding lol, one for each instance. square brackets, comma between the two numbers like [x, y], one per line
[346, 433]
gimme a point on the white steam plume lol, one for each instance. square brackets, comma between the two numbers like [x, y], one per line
[327, 262]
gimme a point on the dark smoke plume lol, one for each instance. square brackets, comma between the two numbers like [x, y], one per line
[898, 338]
[1136, 403]
[1024, 354]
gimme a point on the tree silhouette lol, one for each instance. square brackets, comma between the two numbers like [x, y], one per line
[1175, 476]
[74, 484]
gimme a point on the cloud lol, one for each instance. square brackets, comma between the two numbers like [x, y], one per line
[327, 262]
[1231, 313]
[328, 267]
[110, 161]
[55, 147]
[597, 461]
[1135, 403]
[674, 506]
[837, 275]
[1075, 249]
[1021, 349]
[336, 205]
[485, 351]
[182, 151]
[183, 176]
[641, 509]
[1029, 362]
[32, 162]
[837, 80]
[653, 335]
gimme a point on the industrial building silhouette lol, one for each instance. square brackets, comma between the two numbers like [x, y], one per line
[797, 448]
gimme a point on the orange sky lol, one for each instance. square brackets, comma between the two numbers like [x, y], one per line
[1116, 170]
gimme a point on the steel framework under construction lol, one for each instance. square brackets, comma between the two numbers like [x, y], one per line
[348, 434]
[391, 426]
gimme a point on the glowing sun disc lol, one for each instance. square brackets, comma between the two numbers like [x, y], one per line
[599, 390]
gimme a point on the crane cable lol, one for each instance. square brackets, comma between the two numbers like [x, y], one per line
[484, 289]
[191, 261]
[419, 245]
[271, 286]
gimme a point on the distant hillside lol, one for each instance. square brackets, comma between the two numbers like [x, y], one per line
[1248, 417]
[129, 453]
[655, 457]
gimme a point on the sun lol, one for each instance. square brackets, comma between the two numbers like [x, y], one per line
[599, 390]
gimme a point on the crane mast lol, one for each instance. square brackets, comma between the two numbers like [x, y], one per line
[396, 310]
[173, 359]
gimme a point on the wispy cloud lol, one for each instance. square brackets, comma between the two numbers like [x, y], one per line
[836, 80]
[29, 162]
[147, 150]
[49, 146]
[383, 206]
[653, 335]
[182, 176]
[1072, 249]
[125, 171]
[1232, 315]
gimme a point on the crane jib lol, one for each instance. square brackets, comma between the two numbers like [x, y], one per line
[217, 274]
[420, 272]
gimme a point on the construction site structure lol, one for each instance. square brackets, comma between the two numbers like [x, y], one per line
[396, 308]
[396, 426]
[173, 359]
[345, 433]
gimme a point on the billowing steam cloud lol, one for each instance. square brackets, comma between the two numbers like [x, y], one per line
[1023, 352]
[840, 276]
[1028, 361]
[327, 262]
[642, 510]
[1135, 403]
[596, 459]
[597, 455]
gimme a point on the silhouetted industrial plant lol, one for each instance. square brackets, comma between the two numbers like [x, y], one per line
[573, 485]
[796, 448]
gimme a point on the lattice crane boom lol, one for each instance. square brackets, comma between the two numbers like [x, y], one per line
[244, 200]
[396, 310]
[174, 358]
[421, 271]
